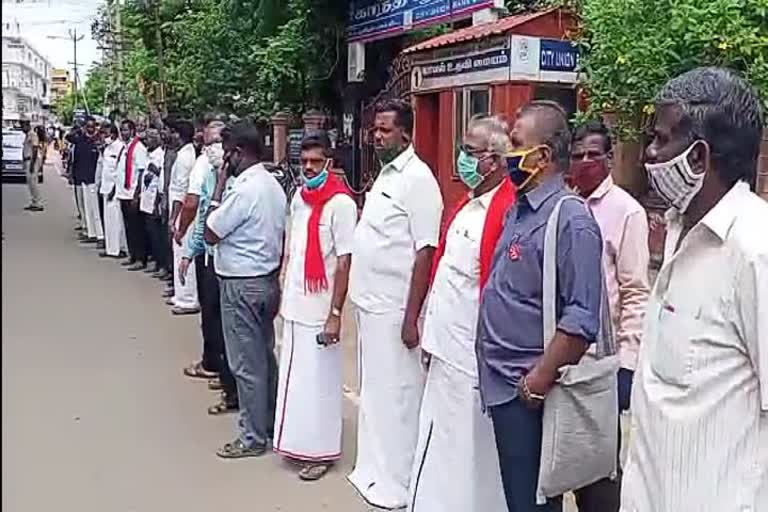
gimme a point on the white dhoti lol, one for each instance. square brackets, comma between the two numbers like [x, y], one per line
[114, 228]
[391, 384]
[185, 295]
[456, 468]
[91, 207]
[309, 396]
[80, 204]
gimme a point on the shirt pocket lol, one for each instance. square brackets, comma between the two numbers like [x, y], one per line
[381, 211]
[462, 253]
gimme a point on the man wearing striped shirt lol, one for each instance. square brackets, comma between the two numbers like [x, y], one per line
[700, 398]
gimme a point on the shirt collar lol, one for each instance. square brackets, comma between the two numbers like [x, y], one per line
[722, 216]
[485, 199]
[547, 188]
[602, 188]
[399, 163]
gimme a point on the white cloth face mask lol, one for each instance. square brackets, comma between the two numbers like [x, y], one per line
[675, 181]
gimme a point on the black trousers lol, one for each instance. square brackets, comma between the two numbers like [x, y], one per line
[101, 209]
[135, 233]
[158, 240]
[214, 351]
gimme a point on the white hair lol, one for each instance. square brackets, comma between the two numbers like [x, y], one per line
[494, 131]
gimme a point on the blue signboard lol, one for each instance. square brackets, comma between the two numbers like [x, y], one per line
[558, 56]
[376, 19]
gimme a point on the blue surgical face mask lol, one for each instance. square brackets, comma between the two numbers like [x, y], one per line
[316, 181]
[466, 167]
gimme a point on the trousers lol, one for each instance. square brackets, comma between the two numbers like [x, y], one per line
[134, 231]
[214, 351]
[93, 225]
[31, 171]
[158, 240]
[114, 227]
[518, 440]
[248, 310]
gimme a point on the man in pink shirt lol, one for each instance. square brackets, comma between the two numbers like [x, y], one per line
[624, 226]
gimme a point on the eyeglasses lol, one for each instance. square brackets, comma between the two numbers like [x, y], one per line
[471, 151]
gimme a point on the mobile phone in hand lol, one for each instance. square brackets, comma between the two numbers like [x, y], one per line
[323, 339]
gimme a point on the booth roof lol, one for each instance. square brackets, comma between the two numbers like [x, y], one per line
[480, 31]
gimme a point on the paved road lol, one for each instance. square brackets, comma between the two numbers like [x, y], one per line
[97, 416]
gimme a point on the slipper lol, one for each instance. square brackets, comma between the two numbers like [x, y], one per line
[223, 407]
[196, 371]
[179, 311]
[237, 450]
[314, 471]
[215, 385]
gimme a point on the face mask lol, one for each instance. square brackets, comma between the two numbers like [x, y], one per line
[586, 175]
[520, 171]
[316, 181]
[215, 154]
[466, 166]
[675, 181]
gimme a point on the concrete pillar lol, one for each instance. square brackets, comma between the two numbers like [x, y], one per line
[762, 168]
[280, 122]
[313, 120]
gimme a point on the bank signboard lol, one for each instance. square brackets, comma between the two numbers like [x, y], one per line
[378, 19]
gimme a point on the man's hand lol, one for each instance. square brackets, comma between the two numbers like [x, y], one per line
[183, 268]
[534, 386]
[332, 329]
[410, 335]
[177, 237]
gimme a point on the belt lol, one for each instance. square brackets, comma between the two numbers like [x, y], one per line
[272, 275]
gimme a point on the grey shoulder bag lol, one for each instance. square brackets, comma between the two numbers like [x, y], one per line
[580, 418]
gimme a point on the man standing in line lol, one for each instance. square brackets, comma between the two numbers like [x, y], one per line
[86, 157]
[392, 262]
[29, 156]
[103, 141]
[456, 468]
[309, 400]
[115, 244]
[700, 400]
[148, 199]
[185, 294]
[515, 371]
[130, 170]
[247, 228]
[170, 146]
[624, 228]
[214, 351]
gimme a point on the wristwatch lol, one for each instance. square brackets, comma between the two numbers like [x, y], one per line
[335, 312]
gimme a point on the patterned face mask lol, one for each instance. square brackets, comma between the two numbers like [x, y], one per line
[675, 181]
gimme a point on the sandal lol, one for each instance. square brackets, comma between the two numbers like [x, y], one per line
[237, 450]
[223, 407]
[314, 471]
[215, 385]
[196, 371]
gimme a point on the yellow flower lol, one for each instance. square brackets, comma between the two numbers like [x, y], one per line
[649, 109]
[621, 60]
[723, 45]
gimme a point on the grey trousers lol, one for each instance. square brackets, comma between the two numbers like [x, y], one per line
[248, 310]
[32, 173]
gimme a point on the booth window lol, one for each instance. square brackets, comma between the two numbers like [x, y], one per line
[468, 103]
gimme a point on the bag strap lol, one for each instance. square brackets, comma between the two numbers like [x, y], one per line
[605, 343]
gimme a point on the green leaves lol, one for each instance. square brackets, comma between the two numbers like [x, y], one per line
[634, 46]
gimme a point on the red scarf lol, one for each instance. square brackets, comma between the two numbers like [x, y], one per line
[129, 163]
[494, 223]
[315, 279]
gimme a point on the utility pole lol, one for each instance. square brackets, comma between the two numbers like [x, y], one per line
[75, 39]
[119, 58]
[160, 58]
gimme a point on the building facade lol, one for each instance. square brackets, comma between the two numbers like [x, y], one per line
[26, 79]
[61, 85]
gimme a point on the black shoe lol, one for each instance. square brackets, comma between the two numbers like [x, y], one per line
[168, 277]
[89, 240]
[33, 208]
[136, 267]
[127, 263]
[101, 244]
[160, 274]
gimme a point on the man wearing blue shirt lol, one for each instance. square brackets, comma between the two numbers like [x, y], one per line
[247, 229]
[515, 371]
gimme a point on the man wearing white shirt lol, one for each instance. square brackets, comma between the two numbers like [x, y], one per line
[130, 169]
[456, 468]
[394, 245]
[308, 419]
[115, 241]
[699, 439]
[149, 197]
[185, 295]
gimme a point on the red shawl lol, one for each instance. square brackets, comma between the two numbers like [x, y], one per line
[315, 279]
[494, 223]
[129, 164]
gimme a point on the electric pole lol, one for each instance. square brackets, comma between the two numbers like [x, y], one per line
[75, 39]
[160, 59]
